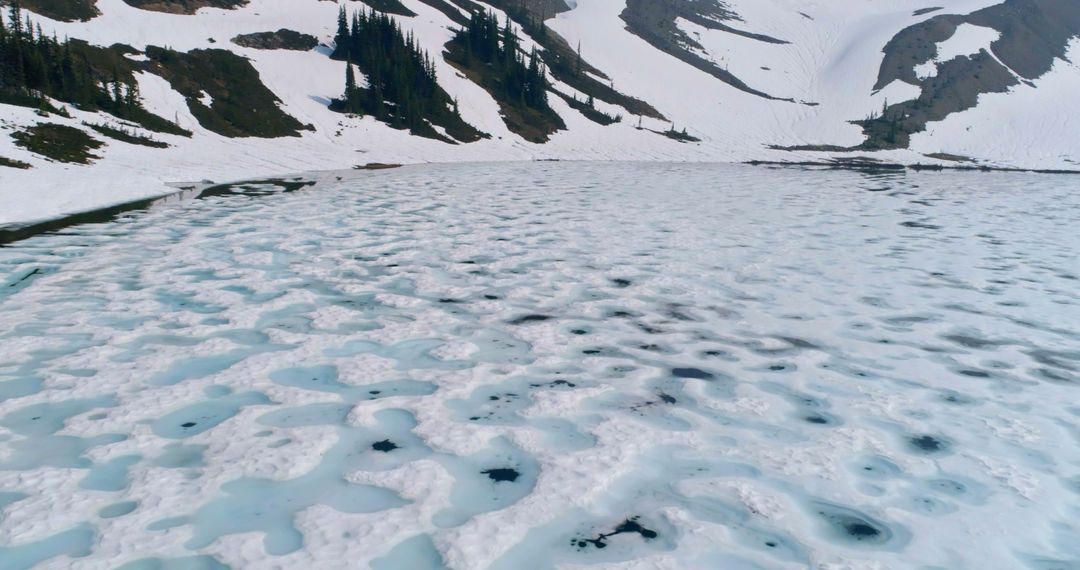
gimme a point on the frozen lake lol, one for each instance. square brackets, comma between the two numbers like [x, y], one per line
[552, 365]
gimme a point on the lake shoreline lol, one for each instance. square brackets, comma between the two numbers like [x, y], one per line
[184, 191]
[917, 167]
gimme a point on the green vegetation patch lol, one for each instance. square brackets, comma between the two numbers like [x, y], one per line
[240, 105]
[12, 163]
[951, 157]
[184, 6]
[589, 110]
[58, 142]
[390, 7]
[63, 10]
[684, 137]
[454, 10]
[655, 21]
[35, 68]
[376, 166]
[122, 134]
[535, 10]
[681, 136]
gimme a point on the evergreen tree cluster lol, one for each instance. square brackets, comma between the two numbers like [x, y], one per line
[34, 67]
[510, 75]
[890, 129]
[402, 87]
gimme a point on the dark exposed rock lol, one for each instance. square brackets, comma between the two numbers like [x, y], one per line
[281, 39]
[655, 22]
[1034, 33]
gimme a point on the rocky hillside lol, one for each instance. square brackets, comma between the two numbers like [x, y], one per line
[103, 101]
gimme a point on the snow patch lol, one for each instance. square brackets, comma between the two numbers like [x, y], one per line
[966, 41]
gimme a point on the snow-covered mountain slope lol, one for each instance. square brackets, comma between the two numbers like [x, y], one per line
[774, 80]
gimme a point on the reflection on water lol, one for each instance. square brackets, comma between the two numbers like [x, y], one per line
[267, 187]
[541, 365]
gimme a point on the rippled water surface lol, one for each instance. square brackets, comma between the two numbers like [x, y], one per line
[550, 366]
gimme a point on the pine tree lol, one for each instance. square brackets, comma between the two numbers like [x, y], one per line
[402, 86]
[36, 68]
[117, 94]
[341, 39]
[15, 17]
[131, 95]
[350, 88]
[510, 76]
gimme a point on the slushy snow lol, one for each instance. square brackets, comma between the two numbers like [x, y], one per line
[505, 366]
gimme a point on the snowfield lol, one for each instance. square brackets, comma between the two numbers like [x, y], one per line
[828, 67]
[507, 366]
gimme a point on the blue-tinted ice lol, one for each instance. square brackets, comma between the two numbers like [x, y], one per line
[552, 365]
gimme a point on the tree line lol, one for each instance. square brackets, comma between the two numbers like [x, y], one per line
[35, 67]
[402, 87]
[509, 74]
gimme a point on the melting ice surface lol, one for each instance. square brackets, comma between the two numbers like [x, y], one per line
[552, 365]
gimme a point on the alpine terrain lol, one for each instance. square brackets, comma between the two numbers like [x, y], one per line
[127, 95]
